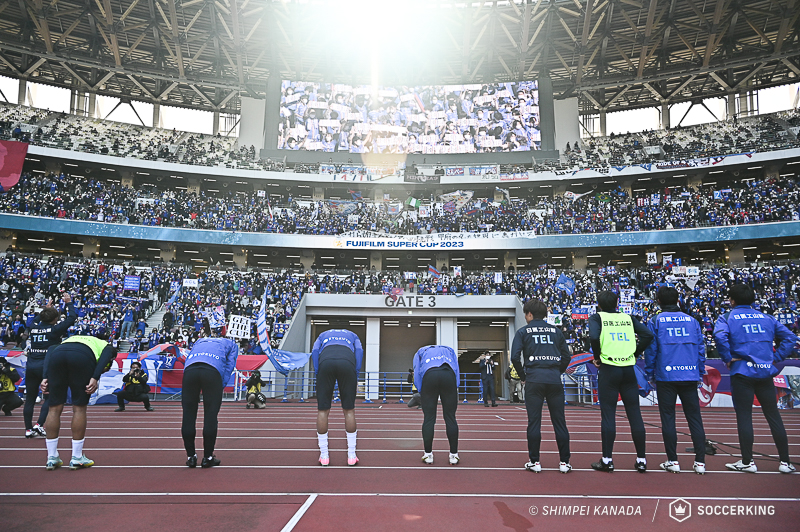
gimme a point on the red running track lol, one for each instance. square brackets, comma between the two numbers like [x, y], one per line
[269, 479]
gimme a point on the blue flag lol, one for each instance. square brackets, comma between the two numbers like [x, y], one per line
[286, 361]
[566, 284]
[174, 297]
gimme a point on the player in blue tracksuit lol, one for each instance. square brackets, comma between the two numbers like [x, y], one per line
[676, 362]
[744, 339]
[436, 376]
[337, 356]
[208, 365]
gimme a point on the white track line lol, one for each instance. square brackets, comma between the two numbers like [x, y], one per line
[386, 468]
[373, 494]
[302, 510]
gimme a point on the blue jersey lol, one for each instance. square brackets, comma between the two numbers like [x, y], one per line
[341, 337]
[748, 335]
[678, 352]
[220, 353]
[433, 356]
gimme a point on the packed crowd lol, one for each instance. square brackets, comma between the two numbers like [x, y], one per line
[501, 128]
[79, 198]
[27, 284]
[499, 117]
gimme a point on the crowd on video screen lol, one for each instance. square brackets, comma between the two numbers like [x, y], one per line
[498, 117]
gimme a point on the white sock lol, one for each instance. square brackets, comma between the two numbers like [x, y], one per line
[52, 447]
[606, 460]
[77, 448]
[322, 440]
[351, 444]
[641, 460]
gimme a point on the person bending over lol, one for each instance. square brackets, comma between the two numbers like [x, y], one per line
[75, 365]
[337, 356]
[436, 376]
[45, 332]
[208, 365]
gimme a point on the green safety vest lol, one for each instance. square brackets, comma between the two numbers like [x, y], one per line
[95, 344]
[617, 339]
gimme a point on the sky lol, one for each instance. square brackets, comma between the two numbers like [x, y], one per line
[57, 99]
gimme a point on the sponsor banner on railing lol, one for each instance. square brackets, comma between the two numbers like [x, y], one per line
[374, 240]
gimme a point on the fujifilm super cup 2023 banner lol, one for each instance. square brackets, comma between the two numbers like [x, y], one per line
[496, 117]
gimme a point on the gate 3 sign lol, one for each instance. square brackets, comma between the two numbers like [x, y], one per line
[410, 301]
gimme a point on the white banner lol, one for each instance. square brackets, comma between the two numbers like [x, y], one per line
[554, 319]
[498, 277]
[693, 271]
[191, 283]
[238, 326]
[652, 257]
[666, 259]
[627, 295]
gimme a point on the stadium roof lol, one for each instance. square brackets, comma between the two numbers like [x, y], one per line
[615, 54]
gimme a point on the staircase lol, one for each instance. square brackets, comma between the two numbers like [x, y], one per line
[154, 320]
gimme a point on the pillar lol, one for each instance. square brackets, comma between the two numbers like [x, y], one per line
[378, 195]
[52, 167]
[372, 358]
[319, 194]
[92, 105]
[7, 239]
[240, 258]
[694, 181]
[665, 118]
[510, 259]
[559, 189]
[156, 114]
[167, 252]
[22, 91]
[442, 261]
[580, 261]
[734, 253]
[307, 258]
[731, 105]
[216, 122]
[193, 186]
[375, 261]
[602, 122]
[447, 332]
[627, 186]
[91, 246]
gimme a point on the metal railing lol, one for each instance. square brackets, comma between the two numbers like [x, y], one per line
[373, 387]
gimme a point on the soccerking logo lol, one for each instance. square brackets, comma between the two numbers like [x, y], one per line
[680, 510]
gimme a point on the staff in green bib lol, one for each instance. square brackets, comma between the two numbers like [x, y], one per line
[76, 365]
[617, 339]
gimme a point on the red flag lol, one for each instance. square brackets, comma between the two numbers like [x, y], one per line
[12, 156]
[709, 387]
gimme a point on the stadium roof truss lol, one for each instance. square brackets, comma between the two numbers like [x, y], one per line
[614, 54]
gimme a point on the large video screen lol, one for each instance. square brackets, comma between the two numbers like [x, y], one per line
[498, 117]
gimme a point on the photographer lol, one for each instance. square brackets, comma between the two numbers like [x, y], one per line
[9, 399]
[253, 386]
[487, 366]
[135, 388]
